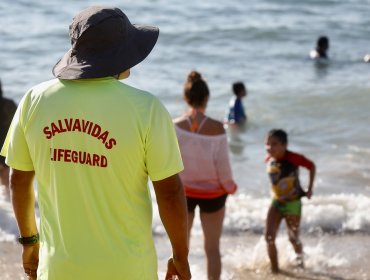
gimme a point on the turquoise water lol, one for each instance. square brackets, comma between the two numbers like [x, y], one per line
[325, 108]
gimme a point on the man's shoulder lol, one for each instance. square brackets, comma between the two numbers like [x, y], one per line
[47, 83]
[42, 87]
[135, 92]
[144, 101]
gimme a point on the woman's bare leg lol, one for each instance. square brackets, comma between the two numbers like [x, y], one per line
[190, 224]
[212, 229]
[4, 175]
[4, 180]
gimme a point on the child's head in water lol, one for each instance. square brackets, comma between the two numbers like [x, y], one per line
[323, 43]
[276, 143]
[239, 89]
[322, 47]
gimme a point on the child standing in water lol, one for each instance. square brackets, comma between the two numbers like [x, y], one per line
[236, 113]
[321, 50]
[282, 168]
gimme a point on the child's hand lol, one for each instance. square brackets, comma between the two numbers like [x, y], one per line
[309, 194]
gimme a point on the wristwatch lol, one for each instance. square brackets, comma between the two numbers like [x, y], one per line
[30, 240]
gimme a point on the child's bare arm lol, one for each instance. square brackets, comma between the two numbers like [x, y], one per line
[310, 181]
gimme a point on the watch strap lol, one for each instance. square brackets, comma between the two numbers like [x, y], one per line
[29, 240]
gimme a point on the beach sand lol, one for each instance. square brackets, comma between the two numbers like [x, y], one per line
[10, 261]
[237, 249]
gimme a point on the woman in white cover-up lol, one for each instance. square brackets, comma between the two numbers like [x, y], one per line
[207, 176]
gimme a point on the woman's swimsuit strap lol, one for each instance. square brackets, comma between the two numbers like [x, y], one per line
[194, 126]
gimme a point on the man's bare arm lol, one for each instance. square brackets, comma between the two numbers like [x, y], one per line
[23, 199]
[173, 212]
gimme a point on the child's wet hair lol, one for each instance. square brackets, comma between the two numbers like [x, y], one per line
[279, 134]
[237, 87]
[323, 41]
[196, 91]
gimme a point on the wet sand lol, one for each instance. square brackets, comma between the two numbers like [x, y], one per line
[339, 257]
[10, 262]
[356, 268]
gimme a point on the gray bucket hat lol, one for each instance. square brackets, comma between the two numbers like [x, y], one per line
[104, 43]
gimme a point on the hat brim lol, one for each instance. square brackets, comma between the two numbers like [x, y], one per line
[139, 42]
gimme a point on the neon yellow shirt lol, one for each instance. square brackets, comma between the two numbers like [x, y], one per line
[93, 144]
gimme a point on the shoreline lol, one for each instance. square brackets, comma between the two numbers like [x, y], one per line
[10, 261]
[243, 258]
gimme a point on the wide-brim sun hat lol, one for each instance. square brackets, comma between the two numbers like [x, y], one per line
[104, 43]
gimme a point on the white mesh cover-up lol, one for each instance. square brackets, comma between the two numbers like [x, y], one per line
[207, 172]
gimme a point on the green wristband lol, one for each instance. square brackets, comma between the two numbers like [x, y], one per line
[30, 240]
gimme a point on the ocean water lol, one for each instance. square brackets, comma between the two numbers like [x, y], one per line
[325, 108]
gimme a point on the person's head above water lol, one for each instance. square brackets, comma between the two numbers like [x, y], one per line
[323, 42]
[239, 89]
[322, 46]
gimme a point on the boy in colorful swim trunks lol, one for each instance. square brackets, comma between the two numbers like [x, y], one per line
[282, 168]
